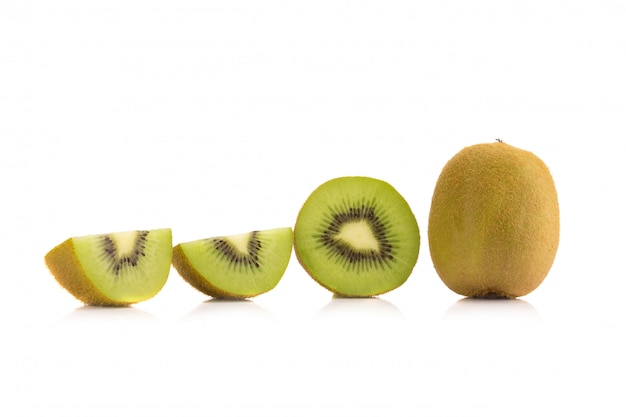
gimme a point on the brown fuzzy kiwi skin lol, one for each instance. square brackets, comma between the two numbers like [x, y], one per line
[194, 278]
[494, 222]
[67, 270]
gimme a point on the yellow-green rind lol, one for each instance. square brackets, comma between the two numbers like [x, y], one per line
[493, 227]
[67, 270]
[191, 275]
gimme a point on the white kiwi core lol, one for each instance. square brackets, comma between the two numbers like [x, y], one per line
[240, 241]
[358, 235]
[125, 242]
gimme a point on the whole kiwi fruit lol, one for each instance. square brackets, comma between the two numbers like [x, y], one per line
[493, 227]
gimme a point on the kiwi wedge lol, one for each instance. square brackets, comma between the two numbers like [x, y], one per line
[357, 237]
[113, 269]
[237, 266]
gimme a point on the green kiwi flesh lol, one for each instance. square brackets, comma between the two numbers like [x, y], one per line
[357, 237]
[236, 266]
[113, 269]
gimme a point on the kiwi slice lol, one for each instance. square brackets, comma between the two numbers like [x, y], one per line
[357, 237]
[236, 266]
[113, 269]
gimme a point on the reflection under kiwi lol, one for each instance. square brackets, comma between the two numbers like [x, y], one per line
[108, 314]
[496, 308]
[369, 307]
[231, 309]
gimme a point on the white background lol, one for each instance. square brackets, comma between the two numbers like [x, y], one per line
[220, 117]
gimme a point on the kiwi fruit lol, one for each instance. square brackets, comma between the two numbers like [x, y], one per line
[237, 266]
[113, 269]
[493, 227]
[357, 237]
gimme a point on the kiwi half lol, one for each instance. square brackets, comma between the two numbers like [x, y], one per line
[113, 269]
[357, 237]
[236, 266]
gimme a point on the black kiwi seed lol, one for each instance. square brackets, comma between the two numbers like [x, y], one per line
[117, 262]
[351, 256]
[234, 256]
